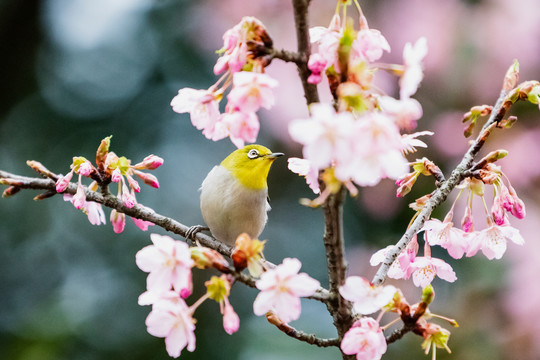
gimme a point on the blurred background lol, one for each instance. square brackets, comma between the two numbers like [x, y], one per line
[76, 71]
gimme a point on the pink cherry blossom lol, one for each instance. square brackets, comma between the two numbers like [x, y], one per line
[303, 167]
[364, 339]
[281, 289]
[375, 154]
[326, 135]
[241, 127]
[400, 268]
[369, 45]
[172, 320]
[404, 112]
[492, 241]
[444, 234]
[202, 105]
[413, 73]
[152, 297]
[95, 213]
[251, 91]
[424, 269]
[365, 297]
[168, 263]
[327, 40]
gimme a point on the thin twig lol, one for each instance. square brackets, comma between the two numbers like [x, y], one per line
[441, 193]
[298, 334]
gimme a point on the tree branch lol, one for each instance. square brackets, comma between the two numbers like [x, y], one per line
[300, 335]
[441, 193]
[143, 213]
[304, 48]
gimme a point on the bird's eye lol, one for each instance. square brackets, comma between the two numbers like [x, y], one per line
[253, 154]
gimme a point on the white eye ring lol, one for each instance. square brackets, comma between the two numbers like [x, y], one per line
[253, 154]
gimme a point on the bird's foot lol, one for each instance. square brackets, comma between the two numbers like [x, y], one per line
[192, 231]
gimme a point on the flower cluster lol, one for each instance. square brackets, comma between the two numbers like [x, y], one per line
[243, 66]
[492, 240]
[360, 140]
[169, 283]
[109, 168]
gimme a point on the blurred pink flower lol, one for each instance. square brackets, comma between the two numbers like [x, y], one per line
[202, 105]
[281, 290]
[303, 167]
[241, 127]
[316, 64]
[369, 45]
[404, 112]
[325, 134]
[251, 91]
[424, 269]
[365, 297]
[413, 73]
[168, 263]
[327, 40]
[364, 339]
[375, 154]
[172, 320]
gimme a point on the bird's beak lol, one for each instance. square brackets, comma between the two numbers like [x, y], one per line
[273, 156]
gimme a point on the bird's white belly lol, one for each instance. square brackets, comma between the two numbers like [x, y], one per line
[229, 208]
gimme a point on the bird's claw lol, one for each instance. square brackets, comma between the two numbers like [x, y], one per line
[193, 230]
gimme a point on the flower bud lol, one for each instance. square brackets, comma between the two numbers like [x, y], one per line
[63, 182]
[151, 162]
[231, 321]
[118, 221]
[102, 151]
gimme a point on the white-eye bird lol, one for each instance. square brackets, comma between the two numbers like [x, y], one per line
[234, 194]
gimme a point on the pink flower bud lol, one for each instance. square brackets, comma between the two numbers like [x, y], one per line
[133, 183]
[118, 221]
[63, 182]
[79, 199]
[231, 321]
[151, 162]
[316, 63]
[184, 293]
[116, 175]
[148, 179]
[497, 211]
[467, 223]
[85, 169]
[127, 197]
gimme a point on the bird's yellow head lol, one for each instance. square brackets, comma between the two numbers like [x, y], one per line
[250, 165]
